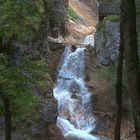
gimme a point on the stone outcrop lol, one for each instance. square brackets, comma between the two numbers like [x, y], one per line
[77, 29]
[45, 127]
[100, 81]
[86, 9]
[57, 10]
[107, 40]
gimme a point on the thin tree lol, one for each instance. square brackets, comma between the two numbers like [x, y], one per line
[132, 59]
[5, 100]
[119, 92]
[7, 116]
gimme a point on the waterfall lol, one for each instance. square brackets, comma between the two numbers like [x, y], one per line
[89, 40]
[74, 100]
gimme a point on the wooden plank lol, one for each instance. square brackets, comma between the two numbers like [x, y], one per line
[108, 8]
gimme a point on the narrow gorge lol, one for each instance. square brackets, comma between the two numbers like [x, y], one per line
[58, 63]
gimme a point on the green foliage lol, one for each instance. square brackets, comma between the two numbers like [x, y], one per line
[20, 18]
[112, 18]
[38, 71]
[72, 14]
[15, 85]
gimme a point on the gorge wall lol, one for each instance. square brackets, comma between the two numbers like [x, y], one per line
[43, 126]
[100, 62]
[100, 66]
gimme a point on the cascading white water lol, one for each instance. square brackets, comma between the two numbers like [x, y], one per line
[74, 103]
[89, 40]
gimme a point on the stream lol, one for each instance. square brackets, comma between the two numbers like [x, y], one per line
[75, 119]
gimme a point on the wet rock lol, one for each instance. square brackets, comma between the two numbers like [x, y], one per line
[77, 96]
[73, 48]
[54, 57]
[49, 108]
[54, 133]
[74, 88]
[105, 126]
[87, 78]
[48, 117]
[84, 137]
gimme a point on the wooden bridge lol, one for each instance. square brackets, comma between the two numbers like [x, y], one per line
[108, 8]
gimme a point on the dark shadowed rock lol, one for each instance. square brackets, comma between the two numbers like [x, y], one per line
[55, 133]
[58, 10]
[74, 87]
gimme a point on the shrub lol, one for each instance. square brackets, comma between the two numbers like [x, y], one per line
[72, 14]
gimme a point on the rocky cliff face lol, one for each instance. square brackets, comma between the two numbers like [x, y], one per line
[45, 127]
[107, 39]
[58, 15]
[86, 9]
[100, 78]
[87, 12]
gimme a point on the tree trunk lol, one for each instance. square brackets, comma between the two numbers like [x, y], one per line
[132, 60]
[119, 92]
[7, 115]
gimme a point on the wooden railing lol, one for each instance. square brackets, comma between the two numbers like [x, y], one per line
[108, 8]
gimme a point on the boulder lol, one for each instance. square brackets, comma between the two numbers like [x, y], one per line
[58, 12]
[74, 87]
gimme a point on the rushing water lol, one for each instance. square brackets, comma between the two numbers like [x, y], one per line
[89, 40]
[74, 103]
